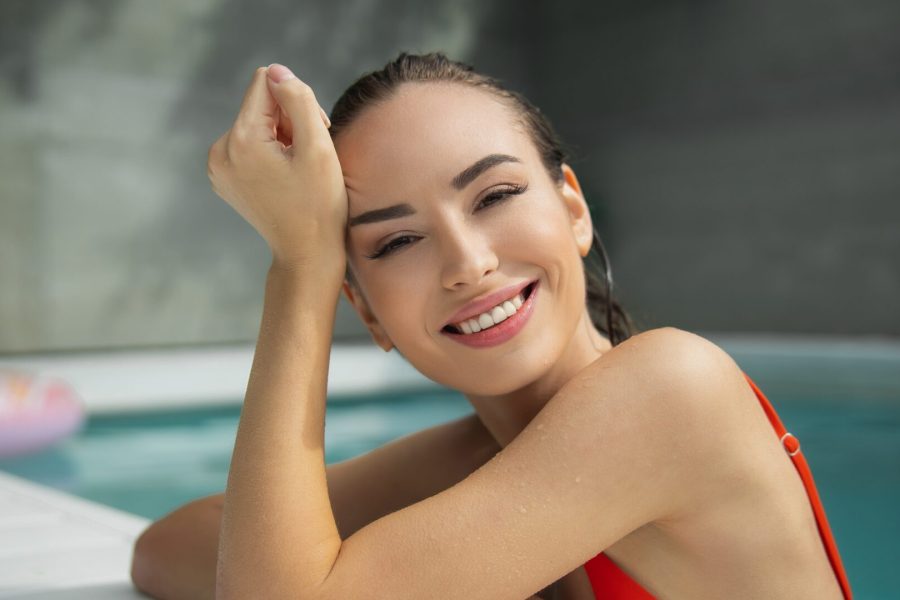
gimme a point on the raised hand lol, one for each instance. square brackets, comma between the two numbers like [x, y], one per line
[277, 167]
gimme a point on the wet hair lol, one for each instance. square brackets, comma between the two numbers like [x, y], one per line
[378, 86]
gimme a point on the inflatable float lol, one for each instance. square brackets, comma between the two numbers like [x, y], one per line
[36, 411]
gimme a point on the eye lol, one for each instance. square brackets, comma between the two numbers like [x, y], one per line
[501, 195]
[491, 199]
[391, 246]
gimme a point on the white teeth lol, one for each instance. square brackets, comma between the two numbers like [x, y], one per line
[496, 315]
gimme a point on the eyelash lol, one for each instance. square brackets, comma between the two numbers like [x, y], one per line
[500, 195]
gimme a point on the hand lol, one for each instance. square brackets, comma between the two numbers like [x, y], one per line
[277, 167]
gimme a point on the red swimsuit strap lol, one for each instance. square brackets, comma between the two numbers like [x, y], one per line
[792, 447]
[609, 582]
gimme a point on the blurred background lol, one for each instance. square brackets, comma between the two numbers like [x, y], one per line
[742, 157]
[742, 160]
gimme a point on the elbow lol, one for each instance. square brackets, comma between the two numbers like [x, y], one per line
[144, 571]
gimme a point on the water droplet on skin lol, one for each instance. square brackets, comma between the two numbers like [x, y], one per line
[522, 509]
[578, 479]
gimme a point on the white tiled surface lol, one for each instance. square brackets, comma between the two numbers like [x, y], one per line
[140, 380]
[55, 546]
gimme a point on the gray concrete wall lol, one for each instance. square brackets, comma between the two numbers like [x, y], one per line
[742, 157]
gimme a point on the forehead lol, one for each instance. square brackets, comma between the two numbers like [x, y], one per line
[423, 135]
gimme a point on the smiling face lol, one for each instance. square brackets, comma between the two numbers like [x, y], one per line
[465, 227]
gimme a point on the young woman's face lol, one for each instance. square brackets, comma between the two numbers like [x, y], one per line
[458, 241]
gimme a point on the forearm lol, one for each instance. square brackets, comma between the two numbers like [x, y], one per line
[278, 534]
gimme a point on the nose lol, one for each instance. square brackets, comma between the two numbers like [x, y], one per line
[467, 257]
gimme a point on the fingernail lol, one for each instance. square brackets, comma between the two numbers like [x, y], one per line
[279, 73]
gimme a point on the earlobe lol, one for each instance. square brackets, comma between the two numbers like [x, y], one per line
[361, 307]
[579, 213]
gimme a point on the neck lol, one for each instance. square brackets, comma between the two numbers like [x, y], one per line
[506, 415]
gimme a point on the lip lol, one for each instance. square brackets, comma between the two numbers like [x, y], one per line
[483, 304]
[501, 332]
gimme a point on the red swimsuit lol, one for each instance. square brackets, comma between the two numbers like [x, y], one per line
[611, 583]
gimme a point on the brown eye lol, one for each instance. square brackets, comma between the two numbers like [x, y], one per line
[391, 246]
[501, 195]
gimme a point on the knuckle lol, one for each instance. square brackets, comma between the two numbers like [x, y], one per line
[216, 149]
[212, 156]
[238, 143]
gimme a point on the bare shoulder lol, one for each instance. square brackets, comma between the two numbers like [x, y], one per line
[675, 355]
[669, 369]
[658, 409]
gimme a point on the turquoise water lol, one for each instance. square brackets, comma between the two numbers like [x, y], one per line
[149, 464]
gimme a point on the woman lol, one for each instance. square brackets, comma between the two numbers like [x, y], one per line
[441, 205]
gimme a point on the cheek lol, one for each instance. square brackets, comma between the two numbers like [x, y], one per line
[538, 230]
[399, 305]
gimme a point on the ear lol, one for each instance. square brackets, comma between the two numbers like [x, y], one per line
[579, 213]
[365, 314]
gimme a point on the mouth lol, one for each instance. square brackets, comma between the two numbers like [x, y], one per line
[494, 317]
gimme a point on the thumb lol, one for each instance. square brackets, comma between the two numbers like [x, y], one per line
[298, 101]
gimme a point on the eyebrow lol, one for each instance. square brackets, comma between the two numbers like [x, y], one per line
[464, 178]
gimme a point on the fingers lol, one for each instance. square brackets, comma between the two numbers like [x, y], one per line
[274, 101]
[283, 129]
[298, 101]
[258, 113]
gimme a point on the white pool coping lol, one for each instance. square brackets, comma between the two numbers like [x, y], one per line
[140, 380]
[54, 545]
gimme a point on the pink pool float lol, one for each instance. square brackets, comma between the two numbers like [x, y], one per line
[36, 411]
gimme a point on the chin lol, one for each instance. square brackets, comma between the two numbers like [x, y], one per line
[485, 381]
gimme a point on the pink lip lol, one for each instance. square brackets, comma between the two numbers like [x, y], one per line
[485, 303]
[501, 332]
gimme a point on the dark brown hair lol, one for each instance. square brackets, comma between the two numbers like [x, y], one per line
[377, 86]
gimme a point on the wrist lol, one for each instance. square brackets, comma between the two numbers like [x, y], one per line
[331, 267]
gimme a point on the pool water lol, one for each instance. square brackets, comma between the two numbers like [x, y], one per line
[149, 464]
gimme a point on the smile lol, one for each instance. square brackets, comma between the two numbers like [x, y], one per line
[493, 328]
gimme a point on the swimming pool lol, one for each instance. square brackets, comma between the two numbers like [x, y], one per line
[843, 405]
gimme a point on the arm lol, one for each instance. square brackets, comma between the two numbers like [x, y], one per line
[609, 453]
[277, 167]
[277, 514]
[175, 557]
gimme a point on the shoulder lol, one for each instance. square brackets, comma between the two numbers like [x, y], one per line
[671, 349]
[666, 399]
[676, 364]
